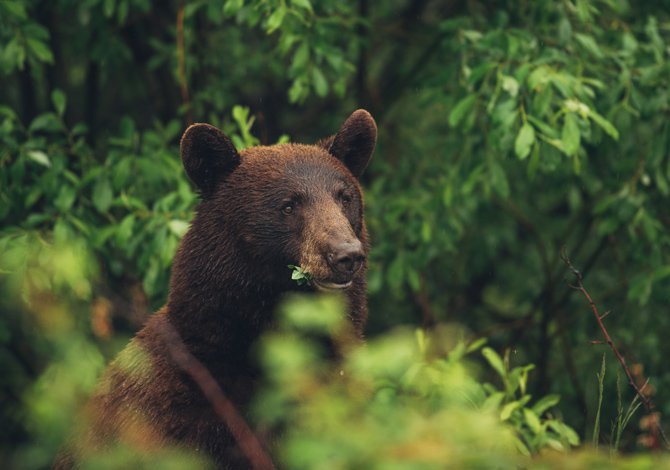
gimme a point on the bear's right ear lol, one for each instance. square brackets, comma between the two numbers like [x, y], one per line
[354, 142]
[208, 155]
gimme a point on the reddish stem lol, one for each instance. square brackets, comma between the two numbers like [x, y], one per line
[646, 401]
[224, 408]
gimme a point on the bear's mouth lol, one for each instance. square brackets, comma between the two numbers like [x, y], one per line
[330, 286]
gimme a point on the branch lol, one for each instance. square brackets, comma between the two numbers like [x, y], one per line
[181, 64]
[224, 408]
[645, 399]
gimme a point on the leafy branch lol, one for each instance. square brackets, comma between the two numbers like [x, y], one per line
[299, 275]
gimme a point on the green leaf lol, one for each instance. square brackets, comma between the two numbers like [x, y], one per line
[539, 77]
[524, 141]
[493, 401]
[298, 91]
[508, 409]
[570, 435]
[532, 420]
[475, 345]
[590, 44]
[108, 7]
[495, 361]
[275, 20]
[40, 49]
[604, 124]
[510, 85]
[102, 195]
[39, 157]
[299, 275]
[15, 8]
[65, 198]
[125, 230]
[178, 227]
[320, 83]
[58, 100]
[498, 179]
[301, 57]
[395, 273]
[304, 4]
[545, 403]
[46, 121]
[570, 134]
[463, 107]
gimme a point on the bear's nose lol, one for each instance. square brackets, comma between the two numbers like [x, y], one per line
[346, 257]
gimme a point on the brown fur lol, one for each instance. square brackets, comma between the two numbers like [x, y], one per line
[228, 275]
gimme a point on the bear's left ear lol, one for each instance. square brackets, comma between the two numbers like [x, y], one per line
[208, 155]
[355, 141]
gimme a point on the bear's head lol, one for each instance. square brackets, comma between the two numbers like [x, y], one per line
[268, 207]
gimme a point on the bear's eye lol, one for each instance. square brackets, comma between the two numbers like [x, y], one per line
[288, 208]
[346, 198]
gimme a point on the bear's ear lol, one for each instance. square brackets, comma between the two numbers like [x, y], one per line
[208, 155]
[354, 142]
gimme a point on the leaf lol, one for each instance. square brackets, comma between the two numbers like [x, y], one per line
[524, 141]
[102, 195]
[521, 447]
[590, 44]
[125, 230]
[604, 124]
[47, 122]
[304, 4]
[301, 57]
[16, 8]
[299, 275]
[570, 435]
[498, 179]
[545, 403]
[395, 274]
[640, 288]
[178, 227]
[39, 157]
[275, 20]
[508, 409]
[476, 344]
[564, 431]
[539, 77]
[241, 116]
[58, 100]
[41, 50]
[532, 420]
[493, 401]
[510, 85]
[570, 135]
[108, 7]
[298, 91]
[495, 361]
[463, 107]
[320, 83]
[65, 198]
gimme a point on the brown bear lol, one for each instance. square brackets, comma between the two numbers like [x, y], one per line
[262, 209]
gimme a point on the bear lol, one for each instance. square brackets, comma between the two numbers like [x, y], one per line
[261, 210]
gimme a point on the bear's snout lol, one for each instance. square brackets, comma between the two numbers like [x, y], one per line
[346, 258]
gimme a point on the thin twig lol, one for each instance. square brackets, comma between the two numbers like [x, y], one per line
[224, 408]
[646, 400]
[181, 63]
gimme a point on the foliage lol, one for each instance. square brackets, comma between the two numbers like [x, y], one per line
[395, 401]
[300, 276]
[509, 131]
